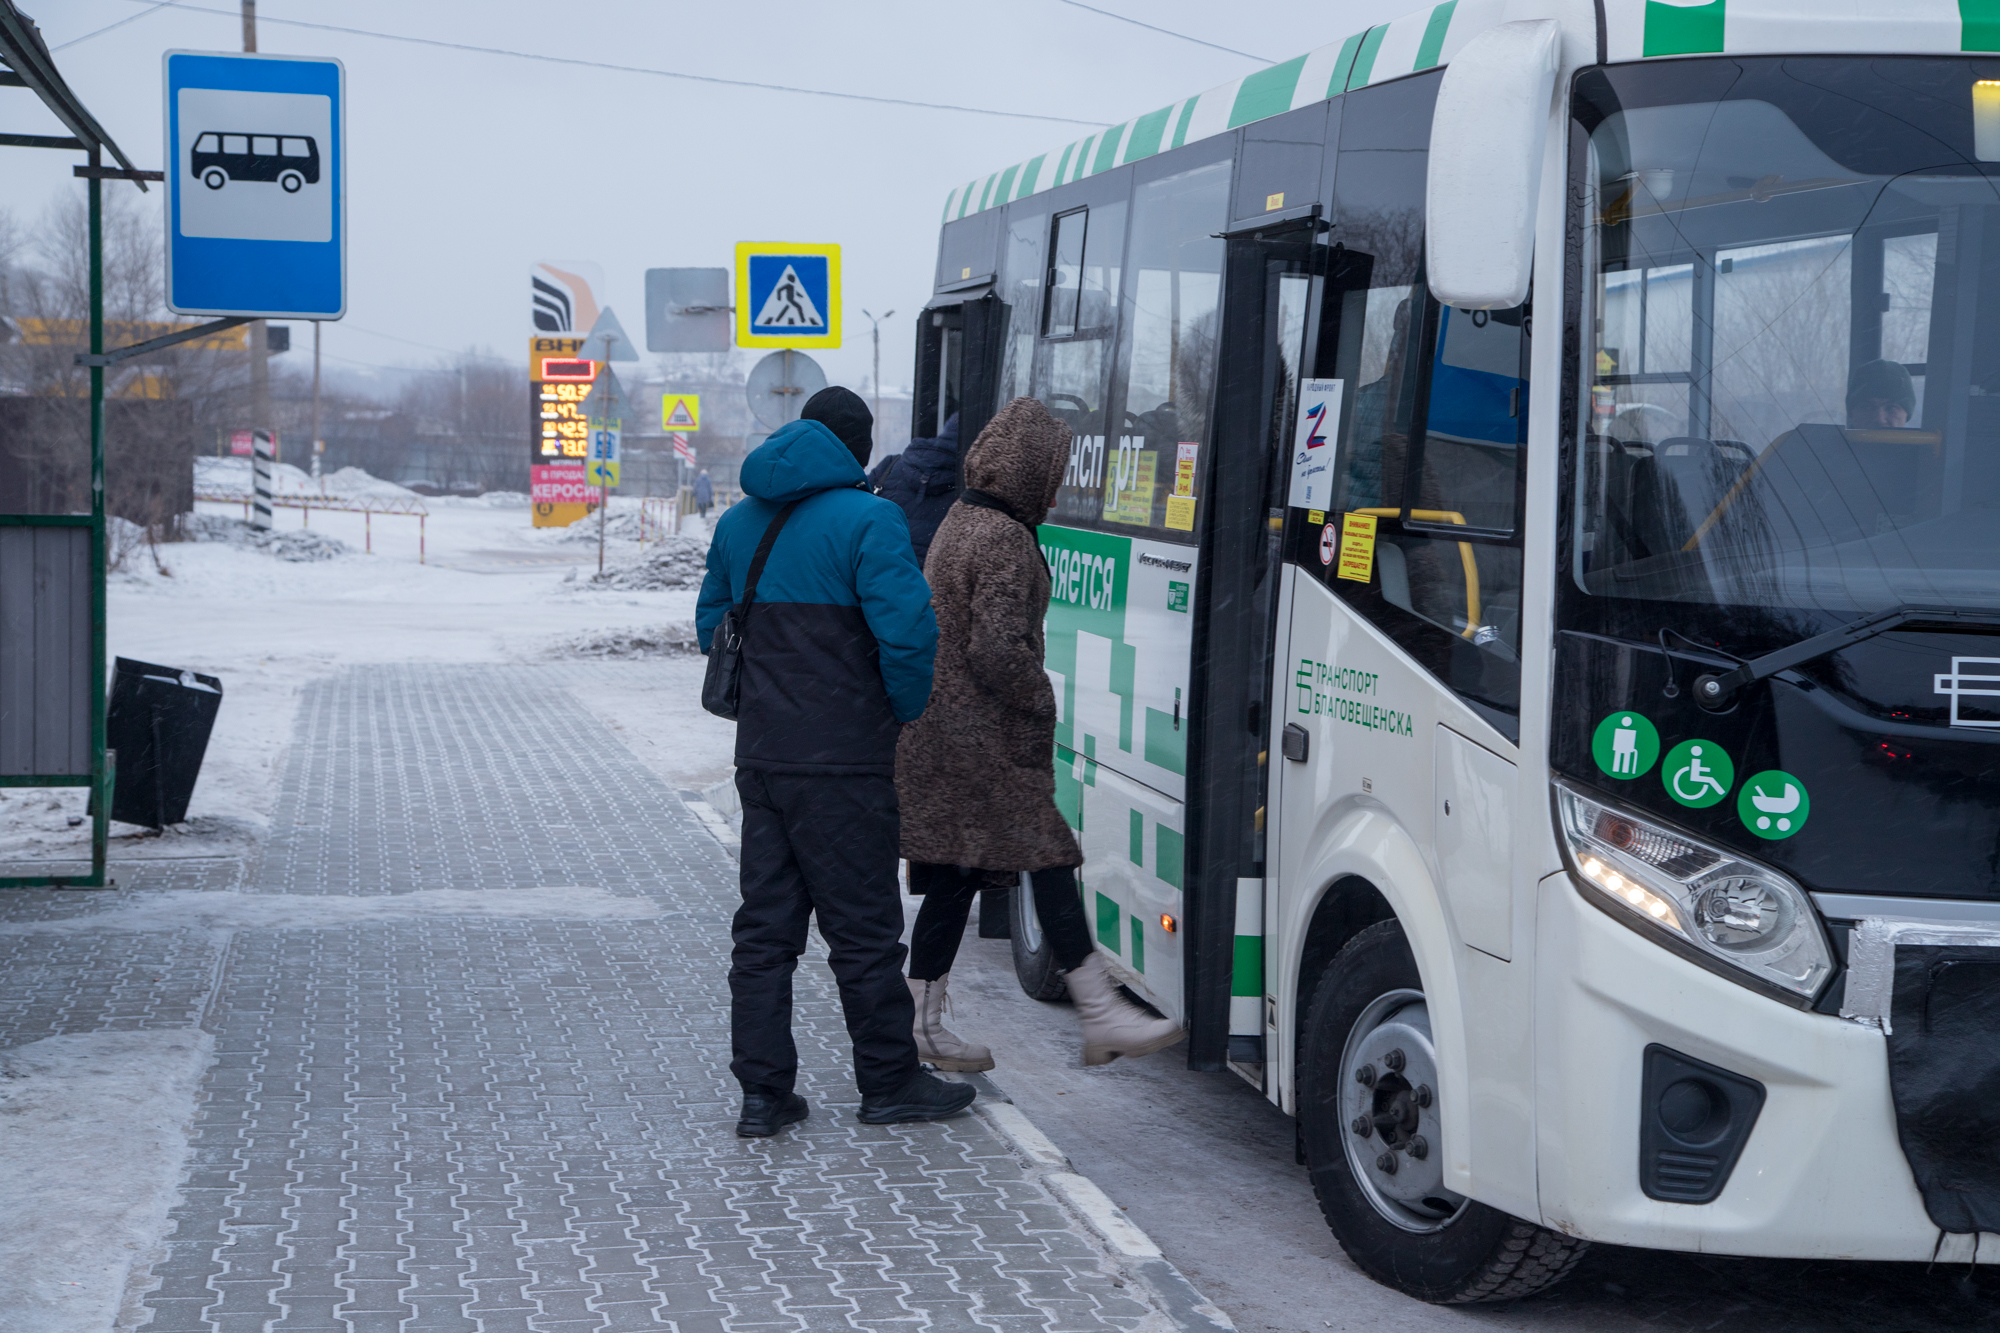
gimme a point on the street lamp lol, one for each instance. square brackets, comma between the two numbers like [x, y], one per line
[875, 332]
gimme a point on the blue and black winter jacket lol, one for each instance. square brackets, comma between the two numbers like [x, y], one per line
[841, 640]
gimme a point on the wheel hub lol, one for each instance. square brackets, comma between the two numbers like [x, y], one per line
[1389, 1106]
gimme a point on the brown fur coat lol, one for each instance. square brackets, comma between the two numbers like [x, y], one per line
[975, 775]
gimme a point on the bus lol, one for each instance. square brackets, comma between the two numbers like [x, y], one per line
[1525, 630]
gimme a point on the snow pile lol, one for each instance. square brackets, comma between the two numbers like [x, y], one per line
[233, 476]
[668, 641]
[675, 562]
[298, 545]
[505, 499]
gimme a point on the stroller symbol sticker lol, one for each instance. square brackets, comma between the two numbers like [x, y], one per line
[1626, 745]
[1698, 773]
[1773, 805]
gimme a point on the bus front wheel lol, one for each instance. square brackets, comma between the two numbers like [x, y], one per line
[1034, 957]
[1369, 1117]
[215, 178]
[291, 181]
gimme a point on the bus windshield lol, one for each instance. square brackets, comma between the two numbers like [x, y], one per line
[1789, 396]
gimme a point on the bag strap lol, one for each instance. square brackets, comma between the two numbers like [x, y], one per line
[757, 561]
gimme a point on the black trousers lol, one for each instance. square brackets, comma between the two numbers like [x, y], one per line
[825, 845]
[948, 893]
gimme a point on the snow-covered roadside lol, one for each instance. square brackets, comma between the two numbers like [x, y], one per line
[90, 1162]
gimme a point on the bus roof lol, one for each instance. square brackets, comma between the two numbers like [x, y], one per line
[1429, 37]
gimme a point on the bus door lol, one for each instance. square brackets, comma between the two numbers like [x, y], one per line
[958, 363]
[1276, 281]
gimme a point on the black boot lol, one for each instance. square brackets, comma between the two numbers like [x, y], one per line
[922, 1098]
[765, 1113]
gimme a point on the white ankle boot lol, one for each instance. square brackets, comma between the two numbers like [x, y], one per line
[937, 1044]
[1112, 1025]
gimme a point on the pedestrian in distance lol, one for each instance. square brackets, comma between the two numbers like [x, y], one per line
[836, 654]
[976, 774]
[923, 481]
[704, 493]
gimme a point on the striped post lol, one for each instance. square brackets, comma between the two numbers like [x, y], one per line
[260, 467]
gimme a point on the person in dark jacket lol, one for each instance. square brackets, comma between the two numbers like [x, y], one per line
[976, 774]
[837, 656]
[704, 493]
[923, 481]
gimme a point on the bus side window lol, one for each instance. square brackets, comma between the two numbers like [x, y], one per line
[1073, 367]
[297, 147]
[1065, 283]
[236, 143]
[264, 145]
[1020, 289]
[208, 143]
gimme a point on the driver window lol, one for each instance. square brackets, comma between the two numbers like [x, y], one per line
[1072, 374]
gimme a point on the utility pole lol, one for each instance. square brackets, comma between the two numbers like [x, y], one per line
[260, 357]
[875, 331]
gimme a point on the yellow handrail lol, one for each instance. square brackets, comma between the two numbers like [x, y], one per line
[1464, 555]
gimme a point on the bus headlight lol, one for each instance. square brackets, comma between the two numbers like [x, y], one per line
[1744, 920]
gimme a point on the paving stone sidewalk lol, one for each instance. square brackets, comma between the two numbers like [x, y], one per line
[493, 1124]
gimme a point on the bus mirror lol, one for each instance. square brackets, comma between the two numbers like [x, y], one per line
[1487, 140]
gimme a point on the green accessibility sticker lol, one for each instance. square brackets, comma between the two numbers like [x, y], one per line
[1773, 804]
[1626, 745]
[1698, 773]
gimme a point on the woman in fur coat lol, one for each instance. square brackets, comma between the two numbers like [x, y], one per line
[975, 775]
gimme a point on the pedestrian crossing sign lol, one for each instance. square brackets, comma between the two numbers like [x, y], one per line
[680, 411]
[787, 295]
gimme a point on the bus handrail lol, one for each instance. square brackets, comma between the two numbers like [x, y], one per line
[1464, 554]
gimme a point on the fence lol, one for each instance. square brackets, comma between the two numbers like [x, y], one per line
[368, 508]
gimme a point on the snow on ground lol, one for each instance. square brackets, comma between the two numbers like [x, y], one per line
[179, 909]
[491, 589]
[96, 1133]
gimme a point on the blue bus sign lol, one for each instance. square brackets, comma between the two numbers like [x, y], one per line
[256, 185]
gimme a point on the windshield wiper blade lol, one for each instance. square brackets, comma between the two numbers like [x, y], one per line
[1714, 691]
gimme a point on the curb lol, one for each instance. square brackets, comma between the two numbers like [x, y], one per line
[1141, 1258]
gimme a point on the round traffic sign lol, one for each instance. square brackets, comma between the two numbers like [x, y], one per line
[779, 386]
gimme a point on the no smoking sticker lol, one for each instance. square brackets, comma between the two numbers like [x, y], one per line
[1773, 804]
[1328, 540]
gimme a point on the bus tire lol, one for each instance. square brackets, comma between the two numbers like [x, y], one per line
[1365, 1056]
[1034, 957]
[291, 182]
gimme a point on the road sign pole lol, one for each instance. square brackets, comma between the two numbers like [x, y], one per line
[101, 761]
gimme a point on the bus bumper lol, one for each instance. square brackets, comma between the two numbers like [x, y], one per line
[1822, 1174]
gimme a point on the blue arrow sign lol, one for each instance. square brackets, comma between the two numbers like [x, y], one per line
[256, 185]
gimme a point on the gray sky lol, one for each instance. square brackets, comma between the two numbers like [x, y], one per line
[465, 168]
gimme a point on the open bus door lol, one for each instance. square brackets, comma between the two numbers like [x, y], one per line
[959, 339]
[1275, 280]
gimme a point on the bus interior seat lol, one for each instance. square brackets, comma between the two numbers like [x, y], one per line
[1679, 485]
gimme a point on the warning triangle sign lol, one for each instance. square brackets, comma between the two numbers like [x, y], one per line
[789, 306]
[680, 416]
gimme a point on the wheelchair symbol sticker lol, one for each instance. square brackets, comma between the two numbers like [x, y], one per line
[1698, 773]
[1773, 804]
[1626, 745]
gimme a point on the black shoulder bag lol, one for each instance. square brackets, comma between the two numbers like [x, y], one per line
[720, 687]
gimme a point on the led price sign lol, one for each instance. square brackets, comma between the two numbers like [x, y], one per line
[558, 430]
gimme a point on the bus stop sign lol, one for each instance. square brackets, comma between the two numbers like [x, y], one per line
[256, 185]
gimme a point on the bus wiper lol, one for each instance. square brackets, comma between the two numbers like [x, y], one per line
[1715, 691]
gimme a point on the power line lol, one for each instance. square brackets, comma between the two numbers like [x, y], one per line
[1078, 4]
[133, 18]
[639, 69]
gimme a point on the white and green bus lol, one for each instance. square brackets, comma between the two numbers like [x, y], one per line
[1526, 614]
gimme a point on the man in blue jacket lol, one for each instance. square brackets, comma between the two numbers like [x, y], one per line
[836, 657]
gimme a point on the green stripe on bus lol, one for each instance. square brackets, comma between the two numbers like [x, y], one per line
[1166, 744]
[949, 200]
[1364, 59]
[965, 200]
[1077, 167]
[1675, 30]
[986, 195]
[1147, 132]
[1343, 65]
[1136, 843]
[1167, 846]
[1432, 47]
[1187, 117]
[1062, 164]
[1005, 190]
[1029, 175]
[1268, 92]
[1107, 150]
[1246, 976]
[1107, 924]
[1981, 25]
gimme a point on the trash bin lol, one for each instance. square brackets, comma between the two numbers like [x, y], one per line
[158, 724]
